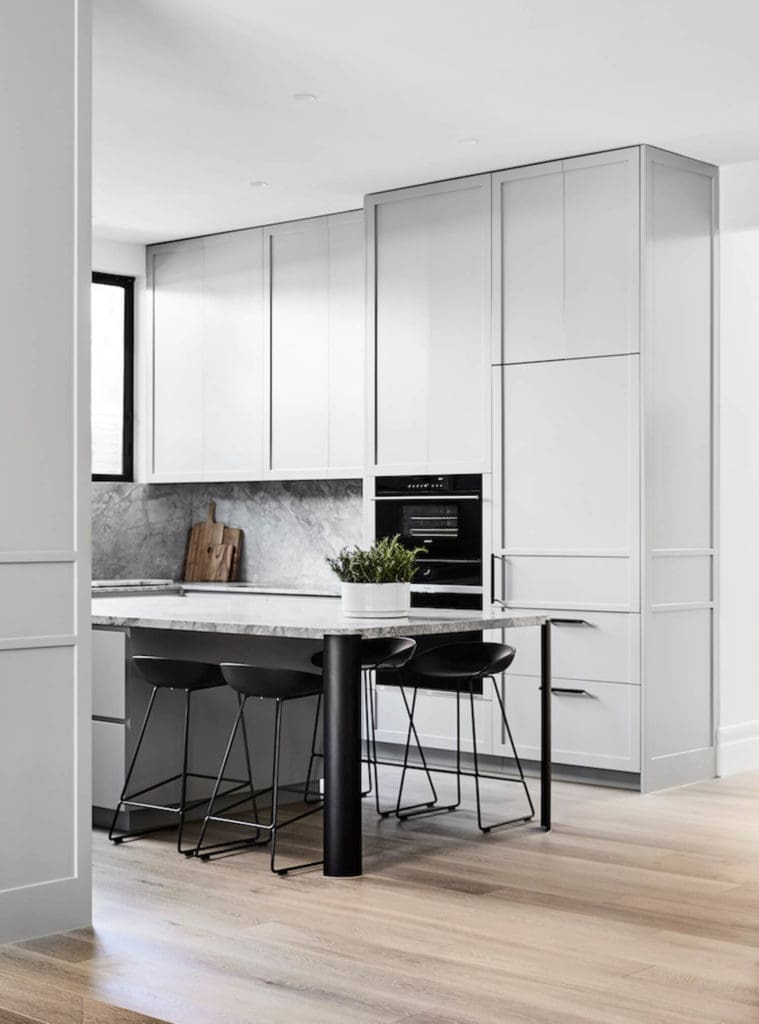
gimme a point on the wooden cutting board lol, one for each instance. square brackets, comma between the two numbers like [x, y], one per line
[233, 537]
[218, 564]
[201, 556]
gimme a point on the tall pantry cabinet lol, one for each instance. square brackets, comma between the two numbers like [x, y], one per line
[604, 448]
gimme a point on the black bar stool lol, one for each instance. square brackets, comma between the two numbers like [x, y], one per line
[386, 653]
[281, 686]
[171, 674]
[459, 666]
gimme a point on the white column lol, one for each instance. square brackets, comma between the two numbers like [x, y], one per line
[45, 767]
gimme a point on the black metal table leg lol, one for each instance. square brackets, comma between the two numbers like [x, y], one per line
[545, 726]
[342, 754]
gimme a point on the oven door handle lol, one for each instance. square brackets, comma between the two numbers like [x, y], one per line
[493, 598]
[439, 498]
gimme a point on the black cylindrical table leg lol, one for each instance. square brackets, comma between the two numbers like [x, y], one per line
[342, 755]
[545, 725]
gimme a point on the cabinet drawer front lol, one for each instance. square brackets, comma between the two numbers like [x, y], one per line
[595, 725]
[570, 581]
[434, 717]
[598, 646]
[108, 764]
[108, 674]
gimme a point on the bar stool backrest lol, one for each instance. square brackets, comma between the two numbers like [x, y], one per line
[467, 660]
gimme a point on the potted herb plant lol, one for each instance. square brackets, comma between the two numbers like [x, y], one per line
[376, 581]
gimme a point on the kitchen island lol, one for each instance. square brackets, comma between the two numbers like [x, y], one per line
[288, 618]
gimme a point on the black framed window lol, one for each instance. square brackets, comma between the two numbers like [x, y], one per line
[112, 355]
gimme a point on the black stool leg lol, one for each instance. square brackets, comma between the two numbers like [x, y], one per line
[122, 796]
[183, 789]
[431, 807]
[307, 798]
[275, 784]
[476, 761]
[367, 700]
[247, 758]
[219, 778]
[517, 761]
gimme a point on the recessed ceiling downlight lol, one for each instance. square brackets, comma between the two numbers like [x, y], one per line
[305, 97]
[258, 184]
[470, 142]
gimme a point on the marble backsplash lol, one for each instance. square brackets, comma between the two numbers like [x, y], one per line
[140, 530]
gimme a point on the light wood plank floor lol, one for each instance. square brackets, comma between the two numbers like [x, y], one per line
[635, 909]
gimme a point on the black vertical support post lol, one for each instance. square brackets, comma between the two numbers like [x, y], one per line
[342, 755]
[545, 725]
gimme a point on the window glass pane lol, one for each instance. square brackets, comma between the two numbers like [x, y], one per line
[108, 379]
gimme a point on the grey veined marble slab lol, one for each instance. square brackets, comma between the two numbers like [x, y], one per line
[306, 618]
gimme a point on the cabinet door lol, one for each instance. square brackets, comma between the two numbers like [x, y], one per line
[429, 252]
[177, 435]
[296, 283]
[347, 343]
[528, 264]
[602, 254]
[569, 490]
[232, 369]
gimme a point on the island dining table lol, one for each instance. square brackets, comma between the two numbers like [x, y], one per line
[320, 618]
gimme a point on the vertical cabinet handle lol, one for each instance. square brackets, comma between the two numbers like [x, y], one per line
[493, 599]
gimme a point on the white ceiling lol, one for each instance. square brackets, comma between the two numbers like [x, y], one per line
[193, 99]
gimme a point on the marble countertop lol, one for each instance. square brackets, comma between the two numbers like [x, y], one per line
[297, 617]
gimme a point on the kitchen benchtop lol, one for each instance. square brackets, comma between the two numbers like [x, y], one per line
[298, 617]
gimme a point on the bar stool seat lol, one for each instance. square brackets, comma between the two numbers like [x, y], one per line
[173, 674]
[458, 667]
[281, 686]
[386, 654]
[170, 674]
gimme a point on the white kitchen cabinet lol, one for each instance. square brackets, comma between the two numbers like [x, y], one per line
[565, 258]
[594, 724]
[176, 401]
[428, 273]
[314, 325]
[568, 483]
[205, 375]
[604, 483]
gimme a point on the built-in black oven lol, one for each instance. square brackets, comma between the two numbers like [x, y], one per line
[443, 515]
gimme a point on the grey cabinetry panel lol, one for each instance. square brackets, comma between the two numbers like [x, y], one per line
[568, 486]
[205, 399]
[315, 342]
[429, 312]
[565, 258]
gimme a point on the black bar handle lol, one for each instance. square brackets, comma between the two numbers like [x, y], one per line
[570, 622]
[493, 599]
[567, 691]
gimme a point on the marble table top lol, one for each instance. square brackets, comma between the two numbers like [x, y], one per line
[298, 617]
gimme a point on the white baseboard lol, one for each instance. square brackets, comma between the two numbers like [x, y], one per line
[739, 748]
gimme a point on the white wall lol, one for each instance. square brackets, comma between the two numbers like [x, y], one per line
[128, 259]
[45, 700]
[739, 457]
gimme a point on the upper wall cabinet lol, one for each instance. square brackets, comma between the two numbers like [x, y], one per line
[205, 394]
[428, 272]
[314, 351]
[566, 259]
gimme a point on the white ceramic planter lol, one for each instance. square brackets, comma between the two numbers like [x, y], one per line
[375, 600]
